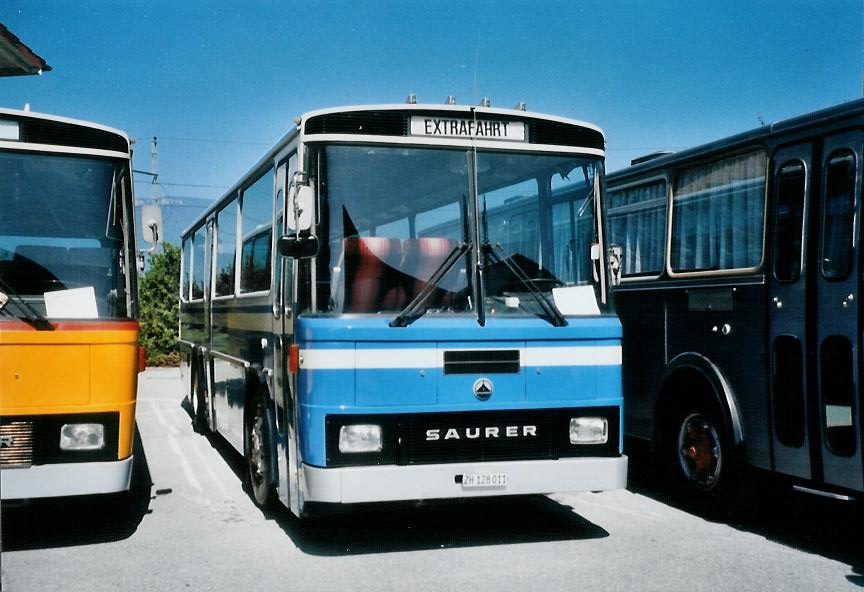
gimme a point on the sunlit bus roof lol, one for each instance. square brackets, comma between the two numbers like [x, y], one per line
[16, 59]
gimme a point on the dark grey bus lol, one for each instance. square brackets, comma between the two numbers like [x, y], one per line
[740, 299]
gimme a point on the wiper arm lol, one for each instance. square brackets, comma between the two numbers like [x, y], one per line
[555, 317]
[413, 311]
[32, 316]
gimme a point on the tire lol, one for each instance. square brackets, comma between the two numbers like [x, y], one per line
[702, 459]
[259, 469]
[197, 403]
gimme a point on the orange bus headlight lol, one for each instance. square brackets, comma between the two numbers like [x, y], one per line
[82, 436]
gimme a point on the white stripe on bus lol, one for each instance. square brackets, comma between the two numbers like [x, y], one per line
[394, 359]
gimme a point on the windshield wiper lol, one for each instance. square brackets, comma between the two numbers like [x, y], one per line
[553, 315]
[32, 316]
[413, 311]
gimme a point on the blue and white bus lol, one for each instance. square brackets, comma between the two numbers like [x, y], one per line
[405, 302]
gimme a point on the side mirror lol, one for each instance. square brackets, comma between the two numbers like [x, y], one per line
[151, 224]
[301, 200]
[298, 247]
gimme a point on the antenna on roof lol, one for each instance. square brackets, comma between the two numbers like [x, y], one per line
[451, 100]
[485, 102]
[411, 99]
[521, 106]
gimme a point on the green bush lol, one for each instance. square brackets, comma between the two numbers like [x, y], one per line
[158, 307]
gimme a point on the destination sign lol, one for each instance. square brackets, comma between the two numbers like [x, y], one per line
[444, 127]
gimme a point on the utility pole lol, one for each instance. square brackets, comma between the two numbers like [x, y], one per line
[154, 170]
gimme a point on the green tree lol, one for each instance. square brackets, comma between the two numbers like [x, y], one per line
[159, 308]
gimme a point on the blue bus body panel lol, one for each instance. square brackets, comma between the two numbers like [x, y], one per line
[361, 365]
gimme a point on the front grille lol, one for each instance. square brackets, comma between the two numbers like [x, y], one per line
[482, 362]
[16, 444]
[473, 436]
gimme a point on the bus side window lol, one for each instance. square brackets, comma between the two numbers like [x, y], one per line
[186, 273]
[788, 221]
[839, 216]
[198, 267]
[226, 248]
[256, 217]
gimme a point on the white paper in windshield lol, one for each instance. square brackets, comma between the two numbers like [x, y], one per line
[576, 300]
[78, 303]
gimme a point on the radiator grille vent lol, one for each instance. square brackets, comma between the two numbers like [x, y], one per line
[482, 362]
[16, 444]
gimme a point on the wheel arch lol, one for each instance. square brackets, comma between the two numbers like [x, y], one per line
[688, 369]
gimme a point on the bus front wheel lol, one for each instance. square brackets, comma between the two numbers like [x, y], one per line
[258, 440]
[702, 460]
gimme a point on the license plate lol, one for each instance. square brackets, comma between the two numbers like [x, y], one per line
[474, 480]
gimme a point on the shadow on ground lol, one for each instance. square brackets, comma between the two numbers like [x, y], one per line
[79, 520]
[410, 526]
[827, 527]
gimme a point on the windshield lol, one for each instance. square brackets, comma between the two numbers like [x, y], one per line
[62, 234]
[392, 219]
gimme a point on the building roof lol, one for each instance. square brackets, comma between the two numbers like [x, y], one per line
[16, 59]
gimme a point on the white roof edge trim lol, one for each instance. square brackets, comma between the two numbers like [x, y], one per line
[60, 119]
[454, 109]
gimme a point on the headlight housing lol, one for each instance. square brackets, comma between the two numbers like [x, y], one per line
[589, 430]
[359, 438]
[82, 436]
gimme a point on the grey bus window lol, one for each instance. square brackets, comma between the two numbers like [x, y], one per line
[717, 214]
[226, 247]
[788, 391]
[198, 263]
[637, 223]
[511, 218]
[788, 221]
[838, 216]
[256, 223]
[838, 394]
[186, 272]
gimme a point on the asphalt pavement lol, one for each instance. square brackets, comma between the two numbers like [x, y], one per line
[189, 524]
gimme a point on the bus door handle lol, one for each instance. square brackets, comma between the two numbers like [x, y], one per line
[725, 329]
[777, 302]
[848, 300]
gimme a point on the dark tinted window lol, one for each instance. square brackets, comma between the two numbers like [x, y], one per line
[226, 247]
[838, 215]
[788, 219]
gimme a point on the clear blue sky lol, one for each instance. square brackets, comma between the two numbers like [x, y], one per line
[219, 82]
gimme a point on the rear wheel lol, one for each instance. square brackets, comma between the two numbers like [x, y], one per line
[260, 471]
[196, 402]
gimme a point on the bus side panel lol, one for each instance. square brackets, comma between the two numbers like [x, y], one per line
[644, 356]
[727, 325]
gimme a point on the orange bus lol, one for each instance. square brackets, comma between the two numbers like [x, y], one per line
[69, 354]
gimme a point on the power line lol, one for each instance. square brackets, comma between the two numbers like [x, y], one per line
[214, 141]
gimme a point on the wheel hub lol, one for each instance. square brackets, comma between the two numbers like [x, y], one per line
[699, 451]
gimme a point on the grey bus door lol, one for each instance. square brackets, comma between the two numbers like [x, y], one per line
[837, 342]
[788, 300]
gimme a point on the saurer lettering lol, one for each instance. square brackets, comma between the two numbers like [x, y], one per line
[481, 432]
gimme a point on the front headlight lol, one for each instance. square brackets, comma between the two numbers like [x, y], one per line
[360, 438]
[82, 436]
[589, 430]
